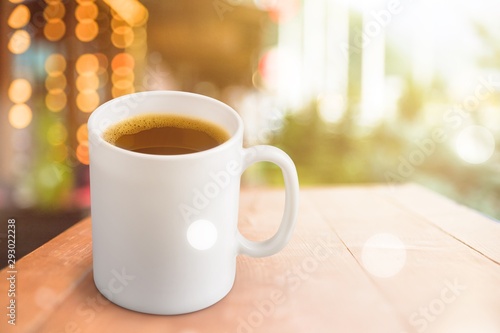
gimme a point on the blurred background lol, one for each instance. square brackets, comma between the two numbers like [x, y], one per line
[356, 91]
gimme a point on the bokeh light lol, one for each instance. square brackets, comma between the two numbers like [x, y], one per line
[82, 133]
[475, 144]
[19, 91]
[87, 81]
[384, 255]
[59, 153]
[55, 64]
[20, 116]
[122, 37]
[87, 30]
[57, 134]
[117, 22]
[202, 235]
[86, 10]
[55, 10]
[117, 92]
[87, 63]
[19, 42]
[131, 11]
[82, 153]
[122, 60]
[123, 34]
[123, 75]
[19, 17]
[87, 100]
[54, 30]
[55, 83]
[56, 101]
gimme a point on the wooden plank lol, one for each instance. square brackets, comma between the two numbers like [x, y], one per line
[414, 263]
[48, 275]
[476, 230]
[294, 291]
[338, 289]
[328, 279]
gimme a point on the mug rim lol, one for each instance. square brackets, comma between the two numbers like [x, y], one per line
[100, 140]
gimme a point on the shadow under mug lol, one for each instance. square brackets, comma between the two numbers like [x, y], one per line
[165, 227]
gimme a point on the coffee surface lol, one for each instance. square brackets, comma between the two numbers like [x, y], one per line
[165, 134]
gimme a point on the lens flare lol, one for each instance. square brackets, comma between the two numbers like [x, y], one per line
[202, 235]
[475, 144]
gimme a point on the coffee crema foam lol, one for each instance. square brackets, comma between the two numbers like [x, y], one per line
[165, 134]
[147, 121]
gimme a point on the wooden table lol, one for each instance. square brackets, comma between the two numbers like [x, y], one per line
[363, 259]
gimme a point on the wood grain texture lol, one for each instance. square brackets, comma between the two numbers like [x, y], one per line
[362, 259]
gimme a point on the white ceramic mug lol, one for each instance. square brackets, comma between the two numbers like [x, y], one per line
[164, 227]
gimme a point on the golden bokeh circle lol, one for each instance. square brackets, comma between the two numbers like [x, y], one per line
[51, 2]
[122, 60]
[20, 91]
[54, 30]
[122, 38]
[20, 116]
[87, 81]
[123, 84]
[54, 10]
[19, 17]
[57, 134]
[123, 71]
[55, 83]
[82, 153]
[87, 30]
[117, 92]
[82, 133]
[117, 23]
[56, 101]
[122, 76]
[86, 10]
[87, 100]
[55, 64]
[59, 153]
[87, 63]
[16, 1]
[19, 42]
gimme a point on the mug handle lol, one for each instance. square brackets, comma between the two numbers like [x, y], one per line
[277, 242]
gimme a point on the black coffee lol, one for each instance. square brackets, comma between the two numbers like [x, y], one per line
[165, 134]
